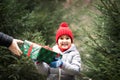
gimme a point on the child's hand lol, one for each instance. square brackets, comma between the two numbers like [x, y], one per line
[57, 63]
[47, 47]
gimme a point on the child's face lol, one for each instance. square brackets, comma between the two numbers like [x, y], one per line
[64, 42]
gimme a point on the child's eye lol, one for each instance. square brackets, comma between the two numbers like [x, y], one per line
[67, 38]
[61, 38]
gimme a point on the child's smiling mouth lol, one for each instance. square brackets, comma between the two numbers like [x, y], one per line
[64, 44]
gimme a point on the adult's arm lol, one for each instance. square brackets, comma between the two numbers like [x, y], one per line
[10, 43]
[5, 40]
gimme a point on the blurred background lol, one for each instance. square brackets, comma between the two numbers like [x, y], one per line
[95, 25]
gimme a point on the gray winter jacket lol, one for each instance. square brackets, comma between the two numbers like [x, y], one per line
[71, 65]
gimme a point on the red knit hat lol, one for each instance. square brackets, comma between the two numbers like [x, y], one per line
[64, 30]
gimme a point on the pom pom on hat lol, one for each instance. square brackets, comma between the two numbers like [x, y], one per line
[64, 30]
[63, 24]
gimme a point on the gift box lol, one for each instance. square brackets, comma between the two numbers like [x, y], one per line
[38, 53]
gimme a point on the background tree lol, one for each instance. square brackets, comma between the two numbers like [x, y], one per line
[102, 43]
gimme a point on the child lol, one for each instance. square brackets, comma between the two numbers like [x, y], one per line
[70, 64]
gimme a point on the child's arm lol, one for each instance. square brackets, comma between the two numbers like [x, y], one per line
[72, 68]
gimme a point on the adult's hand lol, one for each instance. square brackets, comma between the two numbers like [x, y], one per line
[14, 48]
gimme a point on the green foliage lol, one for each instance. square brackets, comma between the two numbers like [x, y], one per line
[45, 19]
[11, 12]
[21, 16]
[34, 37]
[42, 22]
[17, 68]
[102, 43]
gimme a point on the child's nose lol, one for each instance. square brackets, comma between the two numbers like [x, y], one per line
[64, 40]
